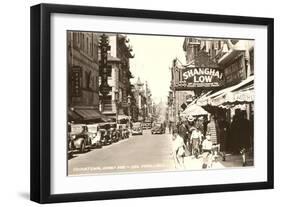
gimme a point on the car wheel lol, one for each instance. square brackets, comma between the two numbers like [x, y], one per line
[82, 147]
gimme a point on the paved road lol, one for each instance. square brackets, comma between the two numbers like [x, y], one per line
[138, 153]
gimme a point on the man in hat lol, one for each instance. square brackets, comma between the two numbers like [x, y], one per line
[200, 124]
[190, 127]
[200, 127]
[195, 139]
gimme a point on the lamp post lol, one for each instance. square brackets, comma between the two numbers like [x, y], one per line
[129, 110]
[116, 104]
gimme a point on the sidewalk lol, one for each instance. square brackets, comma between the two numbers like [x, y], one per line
[191, 163]
[236, 161]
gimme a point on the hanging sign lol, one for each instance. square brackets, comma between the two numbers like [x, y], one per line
[202, 77]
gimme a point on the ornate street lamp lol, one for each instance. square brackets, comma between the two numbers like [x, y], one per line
[116, 104]
[129, 110]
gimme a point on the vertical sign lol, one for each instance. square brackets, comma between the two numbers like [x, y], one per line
[76, 82]
[104, 47]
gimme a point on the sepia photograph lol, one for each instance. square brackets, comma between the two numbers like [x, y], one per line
[141, 103]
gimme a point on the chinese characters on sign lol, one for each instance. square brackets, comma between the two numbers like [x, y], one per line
[76, 82]
[104, 47]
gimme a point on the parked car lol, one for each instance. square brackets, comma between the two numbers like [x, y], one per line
[125, 132]
[147, 125]
[137, 128]
[94, 135]
[119, 132]
[78, 138]
[106, 137]
[113, 132]
[158, 128]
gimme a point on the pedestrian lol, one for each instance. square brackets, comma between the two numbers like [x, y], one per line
[170, 127]
[207, 152]
[195, 139]
[178, 149]
[183, 132]
[190, 127]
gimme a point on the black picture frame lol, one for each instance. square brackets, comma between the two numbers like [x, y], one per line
[41, 95]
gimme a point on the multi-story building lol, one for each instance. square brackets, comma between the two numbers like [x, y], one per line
[149, 102]
[83, 73]
[179, 97]
[119, 76]
[141, 100]
[231, 63]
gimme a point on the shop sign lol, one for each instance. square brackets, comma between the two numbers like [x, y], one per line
[202, 77]
[76, 82]
[241, 97]
[235, 72]
[104, 47]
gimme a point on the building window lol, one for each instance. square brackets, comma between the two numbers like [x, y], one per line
[75, 38]
[91, 49]
[109, 71]
[252, 62]
[82, 42]
[87, 45]
[97, 82]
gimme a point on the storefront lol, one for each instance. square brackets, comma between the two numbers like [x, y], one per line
[232, 107]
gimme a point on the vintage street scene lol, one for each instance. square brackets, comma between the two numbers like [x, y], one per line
[152, 103]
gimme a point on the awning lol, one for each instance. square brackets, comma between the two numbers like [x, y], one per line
[219, 97]
[89, 114]
[194, 110]
[72, 116]
[203, 101]
[113, 117]
[122, 116]
[240, 93]
[241, 96]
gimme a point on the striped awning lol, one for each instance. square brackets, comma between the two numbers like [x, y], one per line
[242, 92]
[72, 116]
[89, 114]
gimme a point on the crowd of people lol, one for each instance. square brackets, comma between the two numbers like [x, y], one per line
[192, 137]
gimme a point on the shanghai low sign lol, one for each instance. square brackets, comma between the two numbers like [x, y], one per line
[202, 77]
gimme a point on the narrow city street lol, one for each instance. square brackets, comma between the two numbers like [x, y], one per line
[138, 153]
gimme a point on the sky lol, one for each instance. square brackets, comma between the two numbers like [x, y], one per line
[153, 59]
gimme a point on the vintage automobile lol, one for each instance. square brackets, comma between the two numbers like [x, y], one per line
[119, 132]
[106, 137]
[78, 138]
[95, 135]
[158, 128]
[124, 131]
[113, 132]
[137, 128]
[147, 125]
